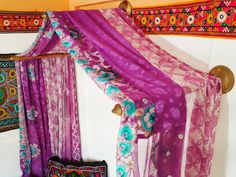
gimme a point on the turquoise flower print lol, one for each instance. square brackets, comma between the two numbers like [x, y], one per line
[88, 69]
[50, 34]
[121, 171]
[35, 151]
[72, 52]
[106, 75]
[55, 24]
[75, 34]
[21, 137]
[21, 129]
[67, 44]
[49, 13]
[80, 61]
[148, 118]
[22, 146]
[21, 133]
[111, 89]
[22, 154]
[124, 148]
[130, 107]
[59, 33]
[27, 166]
[40, 29]
[31, 73]
[126, 132]
[32, 114]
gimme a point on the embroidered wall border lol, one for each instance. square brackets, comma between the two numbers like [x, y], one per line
[211, 18]
[12, 22]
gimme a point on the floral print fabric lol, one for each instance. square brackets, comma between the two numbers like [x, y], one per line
[140, 74]
[59, 77]
[152, 97]
[201, 133]
[49, 116]
[35, 146]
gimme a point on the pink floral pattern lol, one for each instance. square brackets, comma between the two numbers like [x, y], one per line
[124, 90]
[137, 120]
[207, 88]
[61, 94]
[25, 157]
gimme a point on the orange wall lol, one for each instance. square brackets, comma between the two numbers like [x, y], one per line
[34, 5]
[42, 5]
[135, 3]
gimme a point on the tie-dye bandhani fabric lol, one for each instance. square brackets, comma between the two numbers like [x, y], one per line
[59, 78]
[203, 119]
[153, 103]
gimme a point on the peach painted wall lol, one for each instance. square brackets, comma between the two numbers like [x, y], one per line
[135, 3]
[33, 5]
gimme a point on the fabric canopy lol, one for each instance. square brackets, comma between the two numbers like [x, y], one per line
[151, 86]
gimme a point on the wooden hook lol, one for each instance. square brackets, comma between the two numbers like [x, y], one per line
[44, 16]
[117, 110]
[126, 6]
[226, 76]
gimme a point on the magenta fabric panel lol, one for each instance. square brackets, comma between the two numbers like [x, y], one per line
[114, 72]
[127, 62]
[35, 146]
[124, 61]
[207, 88]
[149, 83]
[49, 123]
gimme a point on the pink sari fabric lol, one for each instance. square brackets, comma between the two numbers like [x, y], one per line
[151, 101]
[164, 111]
[59, 78]
[136, 73]
[49, 114]
[201, 134]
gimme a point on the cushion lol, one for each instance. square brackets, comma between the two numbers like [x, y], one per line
[59, 168]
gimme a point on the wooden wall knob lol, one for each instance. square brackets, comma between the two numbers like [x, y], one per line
[44, 16]
[226, 76]
[126, 6]
[117, 110]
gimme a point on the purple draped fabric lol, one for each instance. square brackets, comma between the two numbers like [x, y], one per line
[151, 101]
[168, 97]
[131, 65]
[49, 124]
[36, 118]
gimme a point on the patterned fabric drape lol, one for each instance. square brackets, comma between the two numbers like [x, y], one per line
[152, 87]
[203, 118]
[49, 117]
[59, 78]
[35, 146]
